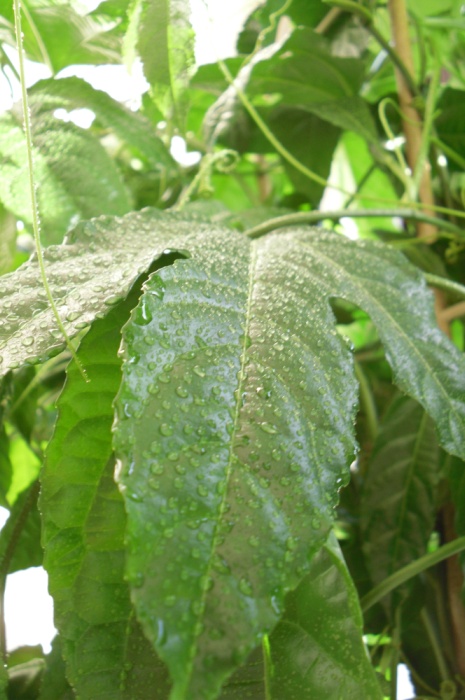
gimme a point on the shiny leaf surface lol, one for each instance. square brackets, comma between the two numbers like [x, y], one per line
[235, 425]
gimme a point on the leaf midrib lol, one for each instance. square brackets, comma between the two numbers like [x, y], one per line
[229, 468]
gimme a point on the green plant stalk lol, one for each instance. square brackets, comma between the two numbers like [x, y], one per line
[403, 169]
[312, 217]
[32, 188]
[395, 652]
[284, 153]
[413, 569]
[435, 646]
[268, 674]
[277, 145]
[42, 48]
[449, 152]
[427, 127]
[445, 284]
[394, 56]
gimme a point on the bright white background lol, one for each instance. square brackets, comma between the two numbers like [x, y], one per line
[29, 608]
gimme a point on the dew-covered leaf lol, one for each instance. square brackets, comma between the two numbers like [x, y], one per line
[69, 188]
[316, 650]
[399, 492]
[83, 532]
[235, 427]
[88, 274]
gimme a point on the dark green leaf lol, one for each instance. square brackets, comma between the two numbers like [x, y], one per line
[235, 424]
[398, 498]
[20, 536]
[84, 521]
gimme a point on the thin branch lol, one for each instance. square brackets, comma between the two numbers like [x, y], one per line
[453, 312]
[312, 217]
[413, 569]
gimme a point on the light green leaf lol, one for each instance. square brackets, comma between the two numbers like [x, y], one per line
[235, 427]
[162, 35]
[68, 189]
[59, 36]
[131, 127]
[399, 492]
[83, 531]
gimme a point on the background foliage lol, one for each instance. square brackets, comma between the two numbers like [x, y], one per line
[260, 430]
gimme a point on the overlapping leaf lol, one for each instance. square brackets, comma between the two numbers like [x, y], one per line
[83, 533]
[236, 424]
[398, 498]
[93, 270]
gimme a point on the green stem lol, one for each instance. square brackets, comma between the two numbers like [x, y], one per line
[32, 188]
[312, 217]
[268, 666]
[395, 58]
[413, 569]
[427, 127]
[449, 152]
[445, 284]
[395, 652]
[42, 48]
[435, 646]
[276, 143]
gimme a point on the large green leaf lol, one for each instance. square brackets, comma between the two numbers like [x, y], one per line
[398, 497]
[83, 532]
[162, 35]
[68, 189]
[235, 425]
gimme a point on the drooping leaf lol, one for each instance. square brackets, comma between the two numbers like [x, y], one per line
[68, 190]
[235, 424]
[398, 497]
[131, 127]
[162, 35]
[83, 532]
